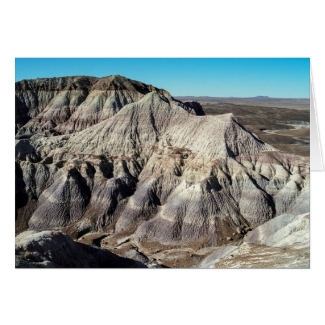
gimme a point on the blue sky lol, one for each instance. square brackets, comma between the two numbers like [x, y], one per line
[281, 78]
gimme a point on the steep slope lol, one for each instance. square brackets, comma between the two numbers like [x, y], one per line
[33, 97]
[155, 169]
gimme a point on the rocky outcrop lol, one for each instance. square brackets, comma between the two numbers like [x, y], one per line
[48, 249]
[284, 230]
[282, 242]
[150, 167]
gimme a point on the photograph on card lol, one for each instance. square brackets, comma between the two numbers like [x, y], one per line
[162, 163]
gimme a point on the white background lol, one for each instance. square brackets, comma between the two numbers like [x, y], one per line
[159, 29]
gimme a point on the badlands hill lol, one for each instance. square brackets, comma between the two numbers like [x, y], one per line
[70, 104]
[125, 166]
